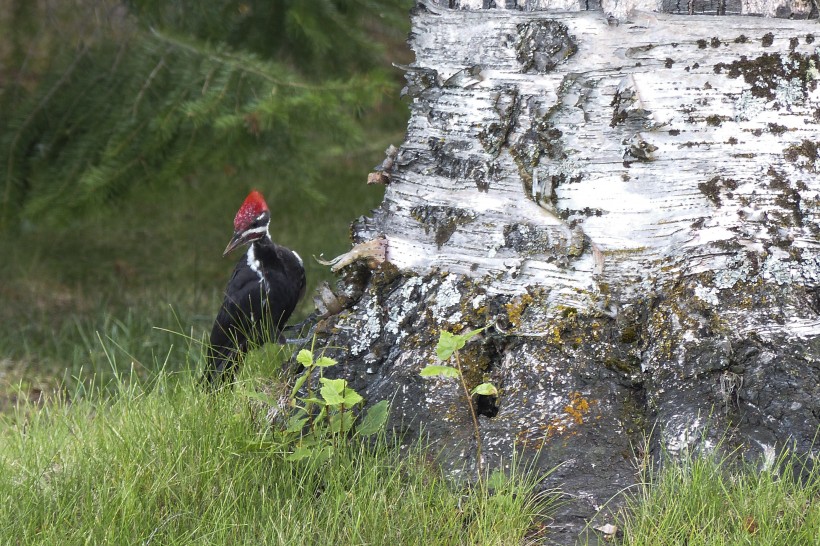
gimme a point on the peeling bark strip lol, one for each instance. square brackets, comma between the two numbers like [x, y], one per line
[633, 207]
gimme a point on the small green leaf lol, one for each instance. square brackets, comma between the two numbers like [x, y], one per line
[332, 391]
[332, 398]
[351, 398]
[305, 358]
[324, 362]
[298, 385]
[439, 371]
[341, 422]
[485, 388]
[338, 385]
[296, 424]
[447, 345]
[299, 453]
[348, 419]
[374, 419]
[324, 454]
[316, 401]
[262, 397]
[471, 334]
[310, 440]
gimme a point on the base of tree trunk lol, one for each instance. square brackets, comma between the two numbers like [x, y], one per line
[632, 207]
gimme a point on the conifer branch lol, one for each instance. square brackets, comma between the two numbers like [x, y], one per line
[146, 85]
[155, 105]
[241, 64]
[29, 118]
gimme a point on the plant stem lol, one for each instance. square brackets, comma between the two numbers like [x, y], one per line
[473, 415]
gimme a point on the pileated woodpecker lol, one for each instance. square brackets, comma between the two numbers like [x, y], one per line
[264, 289]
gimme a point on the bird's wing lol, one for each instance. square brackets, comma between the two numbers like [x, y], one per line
[236, 317]
[286, 284]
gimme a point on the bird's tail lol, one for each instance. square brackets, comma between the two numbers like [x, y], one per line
[220, 364]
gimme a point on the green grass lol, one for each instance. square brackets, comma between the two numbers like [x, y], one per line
[705, 500]
[167, 463]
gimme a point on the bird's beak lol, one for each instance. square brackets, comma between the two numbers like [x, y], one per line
[237, 240]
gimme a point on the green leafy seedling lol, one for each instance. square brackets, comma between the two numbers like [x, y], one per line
[320, 420]
[448, 346]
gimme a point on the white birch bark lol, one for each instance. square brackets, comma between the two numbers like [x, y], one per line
[632, 203]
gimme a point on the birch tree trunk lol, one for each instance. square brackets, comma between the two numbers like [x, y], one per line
[630, 200]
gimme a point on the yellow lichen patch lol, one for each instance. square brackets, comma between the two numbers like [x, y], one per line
[516, 308]
[577, 408]
[574, 413]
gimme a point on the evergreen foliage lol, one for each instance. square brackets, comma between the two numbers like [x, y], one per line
[184, 86]
[319, 37]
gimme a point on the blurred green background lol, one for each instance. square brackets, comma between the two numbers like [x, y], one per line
[130, 132]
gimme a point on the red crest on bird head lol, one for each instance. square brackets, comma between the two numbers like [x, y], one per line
[250, 210]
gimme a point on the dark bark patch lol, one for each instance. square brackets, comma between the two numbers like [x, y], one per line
[527, 239]
[443, 221]
[629, 334]
[624, 109]
[585, 212]
[712, 188]
[714, 120]
[766, 72]
[701, 7]
[768, 39]
[813, 294]
[803, 155]
[450, 163]
[418, 81]
[541, 138]
[542, 45]
[494, 136]
[639, 149]
[776, 129]
[787, 198]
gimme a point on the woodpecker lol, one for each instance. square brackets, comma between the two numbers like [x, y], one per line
[263, 291]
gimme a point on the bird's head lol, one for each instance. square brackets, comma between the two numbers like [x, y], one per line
[251, 221]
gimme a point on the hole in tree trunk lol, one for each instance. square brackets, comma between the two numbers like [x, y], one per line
[486, 405]
[814, 298]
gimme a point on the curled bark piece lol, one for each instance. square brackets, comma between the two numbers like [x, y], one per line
[374, 251]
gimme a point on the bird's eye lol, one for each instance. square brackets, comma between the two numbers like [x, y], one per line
[260, 217]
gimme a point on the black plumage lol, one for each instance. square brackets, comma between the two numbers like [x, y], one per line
[262, 293]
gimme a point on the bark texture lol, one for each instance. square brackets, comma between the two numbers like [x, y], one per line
[632, 203]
